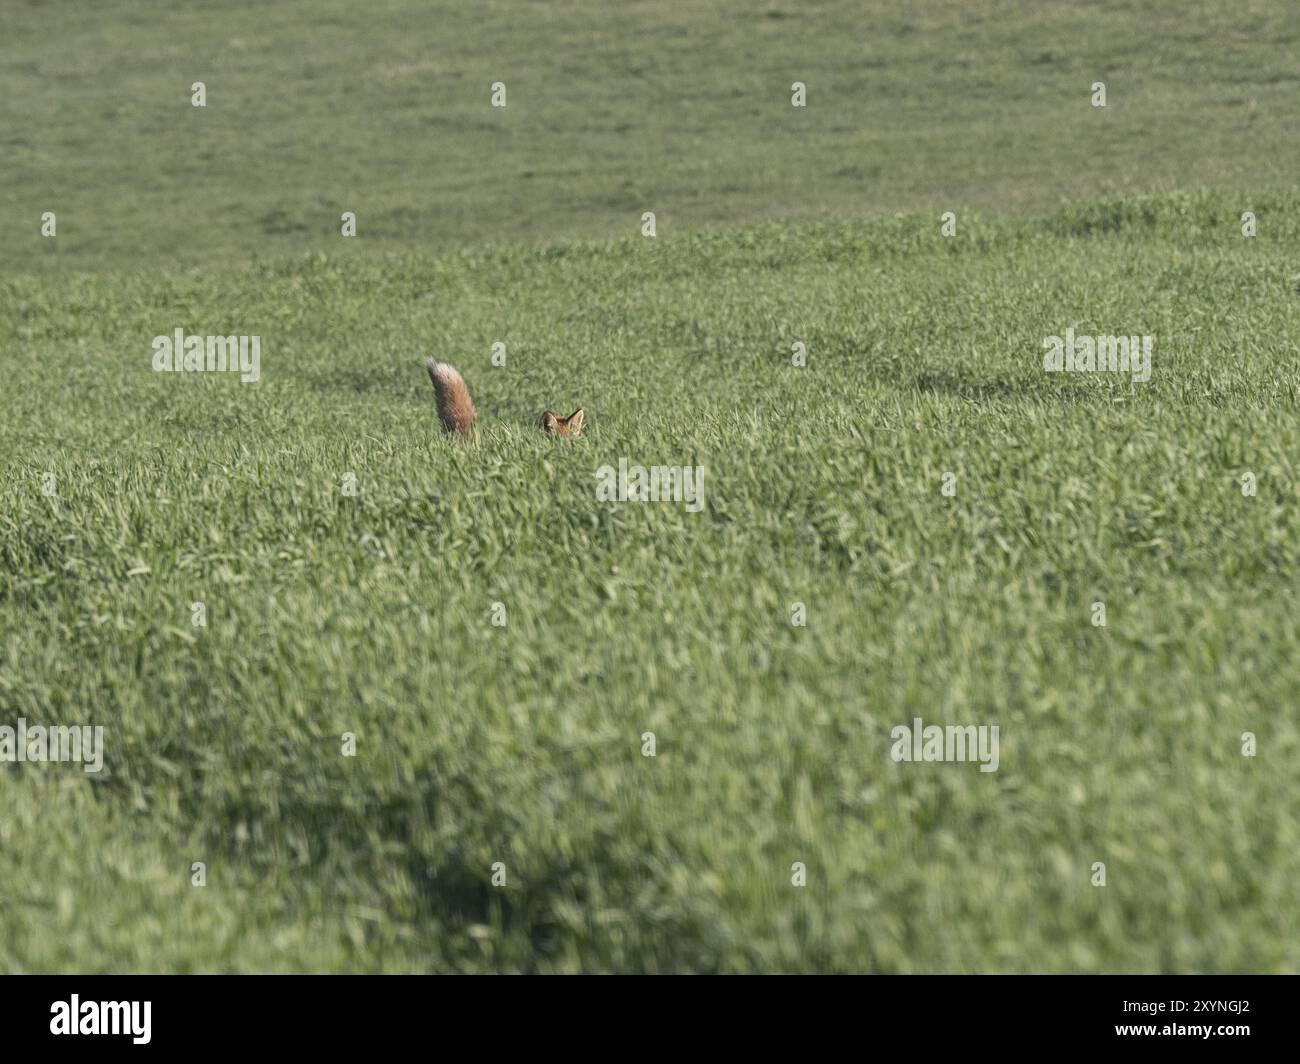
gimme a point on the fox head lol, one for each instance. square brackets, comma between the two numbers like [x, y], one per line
[554, 425]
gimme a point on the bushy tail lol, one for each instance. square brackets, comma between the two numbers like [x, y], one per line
[455, 408]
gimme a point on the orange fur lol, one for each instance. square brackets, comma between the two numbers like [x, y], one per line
[455, 408]
[554, 425]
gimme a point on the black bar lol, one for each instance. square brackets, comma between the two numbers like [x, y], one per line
[337, 1014]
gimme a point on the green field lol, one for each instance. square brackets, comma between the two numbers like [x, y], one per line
[521, 745]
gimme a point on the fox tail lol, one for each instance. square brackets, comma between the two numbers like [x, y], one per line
[455, 408]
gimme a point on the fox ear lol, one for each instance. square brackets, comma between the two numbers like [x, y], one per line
[574, 421]
[550, 423]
